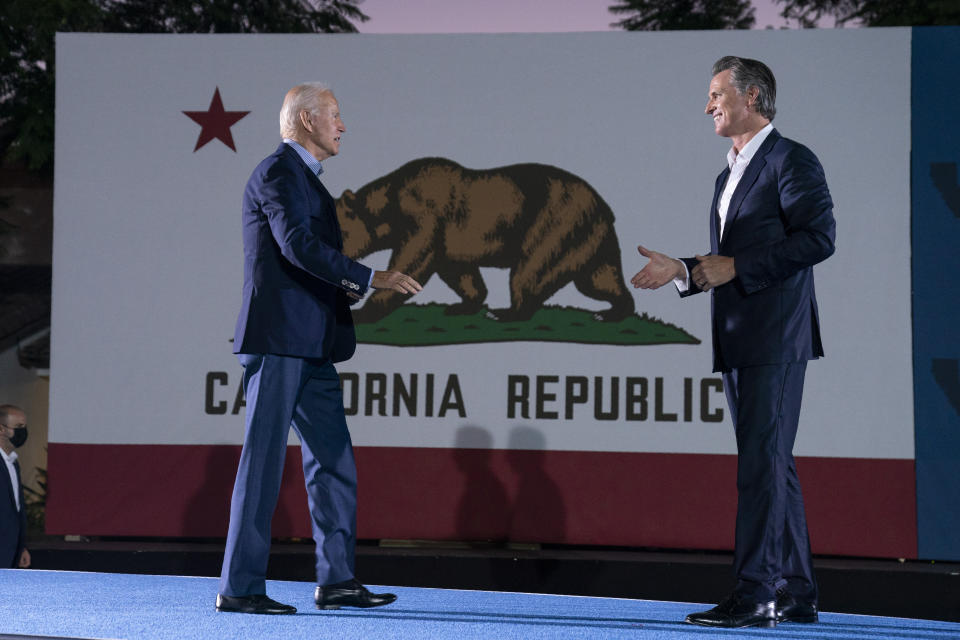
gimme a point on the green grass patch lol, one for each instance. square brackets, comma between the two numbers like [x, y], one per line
[415, 325]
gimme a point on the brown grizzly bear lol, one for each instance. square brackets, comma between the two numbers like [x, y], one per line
[547, 226]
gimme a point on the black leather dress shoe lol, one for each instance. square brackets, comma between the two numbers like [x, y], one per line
[252, 604]
[349, 593]
[735, 612]
[789, 609]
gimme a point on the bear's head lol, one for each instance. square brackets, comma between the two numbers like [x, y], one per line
[360, 221]
[356, 236]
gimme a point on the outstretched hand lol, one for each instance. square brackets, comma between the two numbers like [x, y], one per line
[659, 271]
[396, 281]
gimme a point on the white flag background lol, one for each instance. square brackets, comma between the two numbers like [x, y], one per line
[148, 264]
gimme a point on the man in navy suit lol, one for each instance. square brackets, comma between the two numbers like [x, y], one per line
[771, 220]
[294, 324]
[13, 513]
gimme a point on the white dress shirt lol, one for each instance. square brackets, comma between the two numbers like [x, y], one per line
[738, 165]
[9, 459]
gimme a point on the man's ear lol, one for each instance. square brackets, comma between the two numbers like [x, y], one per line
[305, 122]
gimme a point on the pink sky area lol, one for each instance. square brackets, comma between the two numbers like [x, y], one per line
[495, 16]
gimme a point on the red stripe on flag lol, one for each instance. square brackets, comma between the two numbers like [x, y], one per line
[857, 507]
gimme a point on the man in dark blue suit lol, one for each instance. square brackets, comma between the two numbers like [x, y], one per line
[294, 324]
[13, 512]
[771, 220]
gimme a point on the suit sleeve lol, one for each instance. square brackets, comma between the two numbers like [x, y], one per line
[806, 211]
[289, 216]
[692, 287]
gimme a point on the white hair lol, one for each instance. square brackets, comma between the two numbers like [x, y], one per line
[303, 97]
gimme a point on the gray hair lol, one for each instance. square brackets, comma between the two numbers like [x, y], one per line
[303, 97]
[746, 73]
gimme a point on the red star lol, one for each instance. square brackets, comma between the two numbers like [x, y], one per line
[215, 122]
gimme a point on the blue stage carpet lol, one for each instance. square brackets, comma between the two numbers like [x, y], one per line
[101, 605]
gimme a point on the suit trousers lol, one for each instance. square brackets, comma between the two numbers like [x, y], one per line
[284, 392]
[772, 546]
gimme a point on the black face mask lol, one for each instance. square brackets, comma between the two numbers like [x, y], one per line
[19, 436]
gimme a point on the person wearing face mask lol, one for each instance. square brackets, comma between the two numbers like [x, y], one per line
[13, 513]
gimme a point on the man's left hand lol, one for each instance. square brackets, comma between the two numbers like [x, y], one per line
[713, 271]
[395, 280]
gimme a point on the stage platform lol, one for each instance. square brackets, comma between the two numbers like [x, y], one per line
[908, 589]
[81, 605]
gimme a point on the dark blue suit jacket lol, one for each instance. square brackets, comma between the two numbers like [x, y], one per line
[295, 276]
[13, 523]
[779, 224]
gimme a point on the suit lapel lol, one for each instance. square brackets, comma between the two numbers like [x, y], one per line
[314, 180]
[715, 211]
[6, 481]
[757, 163]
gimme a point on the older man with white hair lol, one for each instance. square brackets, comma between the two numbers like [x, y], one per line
[294, 324]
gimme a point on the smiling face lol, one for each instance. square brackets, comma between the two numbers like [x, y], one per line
[734, 115]
[730, 111]
[322, 128]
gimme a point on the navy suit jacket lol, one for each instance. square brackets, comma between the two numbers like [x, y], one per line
[13, 523]
[779, 224]
[295, 276]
